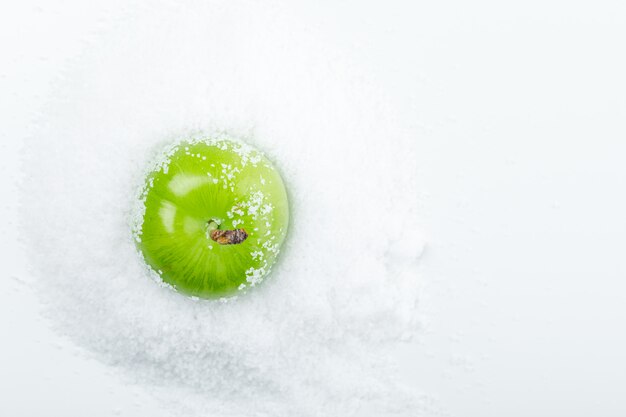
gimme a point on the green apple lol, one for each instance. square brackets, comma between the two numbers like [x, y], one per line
[216, 215]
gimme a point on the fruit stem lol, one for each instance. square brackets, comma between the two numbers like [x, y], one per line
[225, 237]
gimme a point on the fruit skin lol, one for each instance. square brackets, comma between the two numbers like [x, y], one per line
[202, 181]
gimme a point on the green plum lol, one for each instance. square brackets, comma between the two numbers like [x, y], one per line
[216, 214]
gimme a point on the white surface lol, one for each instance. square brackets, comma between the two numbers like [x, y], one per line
[522, 184]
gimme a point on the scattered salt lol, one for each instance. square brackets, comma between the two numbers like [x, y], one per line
[309, 341]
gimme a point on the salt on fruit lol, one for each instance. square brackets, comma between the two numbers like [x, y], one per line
[214, 216]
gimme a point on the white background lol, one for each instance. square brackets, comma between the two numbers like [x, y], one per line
[522, 182]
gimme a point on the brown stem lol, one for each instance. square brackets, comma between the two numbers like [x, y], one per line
[226, 237]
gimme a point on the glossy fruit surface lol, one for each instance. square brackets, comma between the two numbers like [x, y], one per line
[216, 214]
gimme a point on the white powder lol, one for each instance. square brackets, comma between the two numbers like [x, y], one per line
[314, 338]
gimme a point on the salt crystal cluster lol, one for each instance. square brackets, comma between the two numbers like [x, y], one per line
[312, 340]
